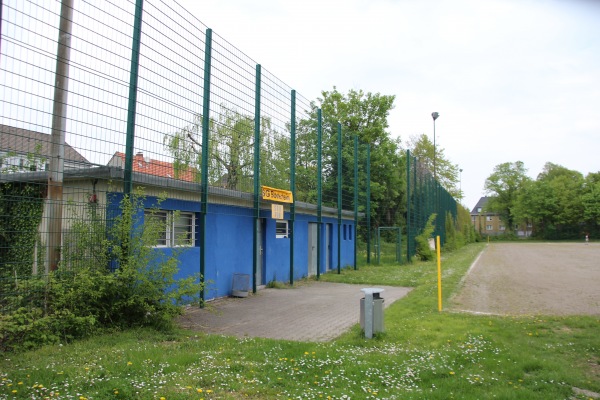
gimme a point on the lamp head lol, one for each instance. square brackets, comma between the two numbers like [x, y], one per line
[435, 115]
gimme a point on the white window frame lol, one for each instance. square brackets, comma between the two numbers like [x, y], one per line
[282, 229]
[489, 227]
[171, 217]
[502, 228]
[490, 218]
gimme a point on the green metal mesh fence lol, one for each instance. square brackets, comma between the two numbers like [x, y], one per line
[425, 197]
[111, 97]
[102, 99]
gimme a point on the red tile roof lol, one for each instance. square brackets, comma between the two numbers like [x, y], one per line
[158, 168]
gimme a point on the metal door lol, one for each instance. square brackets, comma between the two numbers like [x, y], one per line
[327, 247]
[312, 248]
[260, 243]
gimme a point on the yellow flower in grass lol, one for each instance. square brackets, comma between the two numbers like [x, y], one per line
[451, 372]
[199, 390]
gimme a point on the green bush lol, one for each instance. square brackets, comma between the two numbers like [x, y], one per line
[424, 252]
[21, 208]
[84, 295]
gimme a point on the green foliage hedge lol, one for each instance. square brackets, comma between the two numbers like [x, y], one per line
[84, 295]
[424, 252]
[21, 208]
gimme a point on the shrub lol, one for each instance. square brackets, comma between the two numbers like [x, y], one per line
[424, 252]
[84, 295]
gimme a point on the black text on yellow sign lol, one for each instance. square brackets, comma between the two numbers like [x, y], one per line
[278, 195]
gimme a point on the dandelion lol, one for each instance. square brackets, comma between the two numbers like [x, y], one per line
[451, 372]
[14, 391]
[199, 390]
[116, 392]
[162, 398]
[208, 391]
[20, 383]
[129, 363]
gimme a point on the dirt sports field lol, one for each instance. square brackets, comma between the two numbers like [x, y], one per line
[533, 279]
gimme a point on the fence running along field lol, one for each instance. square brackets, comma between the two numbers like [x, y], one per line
[425, 196]
[107, 98]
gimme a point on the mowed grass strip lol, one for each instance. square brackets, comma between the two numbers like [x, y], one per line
[424, 354]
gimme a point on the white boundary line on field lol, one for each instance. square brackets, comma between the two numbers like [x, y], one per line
[462, 280]
[473, 264]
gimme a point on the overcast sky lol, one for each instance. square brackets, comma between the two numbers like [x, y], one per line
[512, 80]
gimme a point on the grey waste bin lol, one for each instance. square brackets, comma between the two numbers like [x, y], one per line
[371, 321]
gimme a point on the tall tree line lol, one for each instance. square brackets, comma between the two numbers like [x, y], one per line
[559, 204]
[361, 115]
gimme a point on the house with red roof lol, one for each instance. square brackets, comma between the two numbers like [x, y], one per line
[145, 165]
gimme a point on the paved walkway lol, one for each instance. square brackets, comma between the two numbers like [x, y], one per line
[316, 311]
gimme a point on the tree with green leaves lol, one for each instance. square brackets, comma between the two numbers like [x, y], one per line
[363, 115]
[554, 202]
[231, 161]
[447, 173]
[503, 187]
[591, 199]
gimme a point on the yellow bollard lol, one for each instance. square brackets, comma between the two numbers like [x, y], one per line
[439, 267]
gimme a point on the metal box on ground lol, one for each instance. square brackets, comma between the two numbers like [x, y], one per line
[241, 285]
[374, 318]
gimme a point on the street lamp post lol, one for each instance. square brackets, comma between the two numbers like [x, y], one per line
[435, 115]
[460, 183]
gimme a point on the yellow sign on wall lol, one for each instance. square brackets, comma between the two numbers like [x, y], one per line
[279, 195]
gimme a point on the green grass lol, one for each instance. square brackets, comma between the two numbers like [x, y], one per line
[423, 354]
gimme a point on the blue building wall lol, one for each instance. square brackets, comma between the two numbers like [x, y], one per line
[230, 244]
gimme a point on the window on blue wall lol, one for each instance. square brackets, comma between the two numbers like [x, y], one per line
[281, 229]
[350, 229]
[175, 228]
[345, 236]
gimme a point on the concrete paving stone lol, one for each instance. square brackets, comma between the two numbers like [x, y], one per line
[314, 311]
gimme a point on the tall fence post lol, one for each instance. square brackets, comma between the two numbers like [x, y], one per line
[355, 199]
[368, 204]
[319, 187]
[257, 251]
[54, 204]
[408, 207]
[205, 156]
[131, 107]
[292, 234]
[339, 197]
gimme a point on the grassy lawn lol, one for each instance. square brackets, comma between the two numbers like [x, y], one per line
[423, 354]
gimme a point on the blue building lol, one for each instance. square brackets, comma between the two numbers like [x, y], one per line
[229, 225]
[229, 240]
